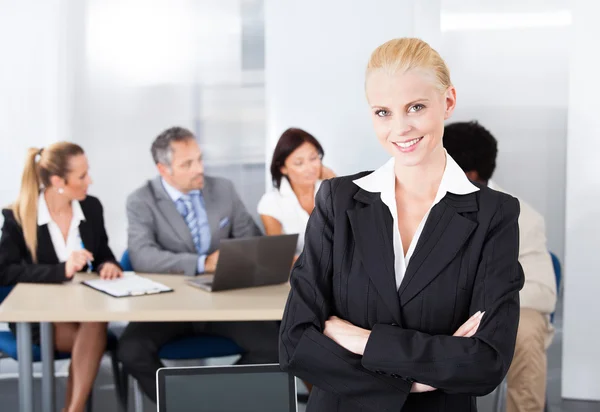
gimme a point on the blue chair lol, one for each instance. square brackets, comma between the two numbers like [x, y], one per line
[558, 276]
[194, 347]
[8, 348]
[501, 391]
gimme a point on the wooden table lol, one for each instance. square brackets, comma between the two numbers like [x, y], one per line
[72, 302]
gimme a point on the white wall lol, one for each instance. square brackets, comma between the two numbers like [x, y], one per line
[34, 99]
[316, 55]
[581, 360]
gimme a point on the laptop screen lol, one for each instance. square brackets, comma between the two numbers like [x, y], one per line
[261, 388]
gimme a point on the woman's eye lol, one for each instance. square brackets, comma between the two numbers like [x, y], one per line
[381, 113]
[416, 108]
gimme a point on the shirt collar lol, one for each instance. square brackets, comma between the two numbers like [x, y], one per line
[43, 215]
[175, 194]
[454, 180]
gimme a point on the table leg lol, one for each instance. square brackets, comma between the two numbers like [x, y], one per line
[25, 367]
[48, 389]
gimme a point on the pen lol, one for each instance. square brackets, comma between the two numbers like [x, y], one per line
[89, 262]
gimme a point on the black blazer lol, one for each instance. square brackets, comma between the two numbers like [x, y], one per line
[16, 264]
[465, 260]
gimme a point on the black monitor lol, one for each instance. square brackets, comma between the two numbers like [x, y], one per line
[248, 388]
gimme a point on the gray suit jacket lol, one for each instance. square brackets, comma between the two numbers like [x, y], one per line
[159, 240]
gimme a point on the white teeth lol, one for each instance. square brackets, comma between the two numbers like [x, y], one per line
[408, 144]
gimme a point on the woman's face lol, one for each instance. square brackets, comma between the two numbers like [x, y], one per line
[303, 165]
[78, 179]
[408, 113]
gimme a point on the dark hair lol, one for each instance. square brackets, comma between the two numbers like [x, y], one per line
[161, 149]
[473, 147]
[289, 141]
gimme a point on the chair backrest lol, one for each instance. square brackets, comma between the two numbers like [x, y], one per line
[126, 262]
[4, 291]
[557, 271]
[557, 276]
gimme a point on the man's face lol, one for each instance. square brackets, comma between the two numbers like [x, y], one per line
[186, 172]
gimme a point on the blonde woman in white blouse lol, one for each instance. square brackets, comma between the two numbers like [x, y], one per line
[297, 172]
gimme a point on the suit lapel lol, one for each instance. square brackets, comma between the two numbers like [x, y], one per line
[45, 248]
[444, 234]
[167, 208]
[372, 228]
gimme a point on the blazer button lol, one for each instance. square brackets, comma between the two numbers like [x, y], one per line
[394, 324]
[380, 372]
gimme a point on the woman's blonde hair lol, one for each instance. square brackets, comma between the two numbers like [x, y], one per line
[404, 54]
[40, 165]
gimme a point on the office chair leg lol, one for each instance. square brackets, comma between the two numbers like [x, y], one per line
[500, 401]
[90, 401]
[120, 380]
[138, 397]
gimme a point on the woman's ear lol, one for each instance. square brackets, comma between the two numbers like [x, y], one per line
[57, 182]
[450, 101]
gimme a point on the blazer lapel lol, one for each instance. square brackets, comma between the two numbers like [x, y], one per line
[444, 234]
[45, 248]
[372, 228]
[167, 208]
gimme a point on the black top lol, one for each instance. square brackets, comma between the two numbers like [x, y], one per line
[466, 260]
[16, 264]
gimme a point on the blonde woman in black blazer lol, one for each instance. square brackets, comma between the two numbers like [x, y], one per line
[406, 297]
[51, 232]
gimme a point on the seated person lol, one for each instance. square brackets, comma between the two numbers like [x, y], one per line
[175, 224]
[51, 232]
[297, 172]
[475, 149]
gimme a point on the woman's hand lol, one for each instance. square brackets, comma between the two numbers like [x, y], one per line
[110, 271]
[326, 173]
[76, 261]
[466, 330]
[347, 335]
[469, 328]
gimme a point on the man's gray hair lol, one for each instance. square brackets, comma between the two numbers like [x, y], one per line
[162, 151]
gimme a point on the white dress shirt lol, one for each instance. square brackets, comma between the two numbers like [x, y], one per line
[284, 206]
[383, 180]
[63, 249]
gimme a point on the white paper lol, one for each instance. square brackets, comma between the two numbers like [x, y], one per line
[129, 285]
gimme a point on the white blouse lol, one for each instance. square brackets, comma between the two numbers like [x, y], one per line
[383, 180]
[63, 249]
[284, 206]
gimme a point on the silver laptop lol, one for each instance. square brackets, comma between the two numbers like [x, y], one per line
[250, 262]
[247, 388]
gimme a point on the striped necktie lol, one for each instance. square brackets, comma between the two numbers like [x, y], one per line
[190, 219]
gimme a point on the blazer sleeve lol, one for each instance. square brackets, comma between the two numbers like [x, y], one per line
[303, 349]
[146, 254]
[102, 254]
[473, 365]
[242, 225]
[15, 259]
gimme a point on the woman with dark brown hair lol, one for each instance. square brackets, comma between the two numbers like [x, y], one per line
[297, 172]
[53, 230]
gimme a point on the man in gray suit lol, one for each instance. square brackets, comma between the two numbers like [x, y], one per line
[175, 224]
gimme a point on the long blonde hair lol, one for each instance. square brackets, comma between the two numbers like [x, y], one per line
[403, 54]
[40, 165]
